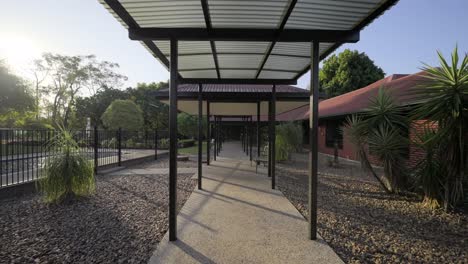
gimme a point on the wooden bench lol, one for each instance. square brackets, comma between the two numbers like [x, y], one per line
[262, 158]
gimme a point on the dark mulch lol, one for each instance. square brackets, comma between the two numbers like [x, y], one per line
[121, 223]
[363, 224]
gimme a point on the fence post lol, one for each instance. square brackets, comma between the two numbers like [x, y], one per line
[96, 153]
[155, 144]
[119, 145]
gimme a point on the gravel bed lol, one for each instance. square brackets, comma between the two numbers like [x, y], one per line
[363, 224]
[121, 223]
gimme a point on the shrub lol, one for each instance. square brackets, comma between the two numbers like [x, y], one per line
[288, 140]
[123, 114]
[68, 173]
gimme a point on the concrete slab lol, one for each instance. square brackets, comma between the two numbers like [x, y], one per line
[238, 218]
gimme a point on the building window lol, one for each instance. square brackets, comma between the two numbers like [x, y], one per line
[334, 133]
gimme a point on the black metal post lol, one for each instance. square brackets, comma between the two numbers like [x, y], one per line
[313, 140]
[155, 144]
[219, 135]
[273, 140]
[270, 136]
[173, 142]
[200, 133]
[215, 147]
[258, 129]
[96, 153]
[251, 138]
[119, 146]
[208, 133]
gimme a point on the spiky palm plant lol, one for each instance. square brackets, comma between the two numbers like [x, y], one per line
[429, 170]
[381, 128]
[67, 173]
[389, 146]
[357, 131]
[444, 100]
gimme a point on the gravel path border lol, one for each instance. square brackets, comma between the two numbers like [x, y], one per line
[363, 224]
[121, 223]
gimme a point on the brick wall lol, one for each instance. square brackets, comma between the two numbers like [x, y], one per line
[349, 152]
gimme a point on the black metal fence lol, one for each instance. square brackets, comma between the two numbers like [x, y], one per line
[24, 153]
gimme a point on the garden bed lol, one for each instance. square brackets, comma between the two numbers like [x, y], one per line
[121, 223]
[363, 224]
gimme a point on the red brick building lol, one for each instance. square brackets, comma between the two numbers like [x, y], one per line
[333, 112]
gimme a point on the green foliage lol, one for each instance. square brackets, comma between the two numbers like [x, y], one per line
[155, 113]
[429, 171]
[444, 100]
[187, 125]
[66, 78]
[15, 95]
[94, 106]
[348, 71]
[123, 114]
[382, 128]
[67, 174]
[163, 143]
[288, 140]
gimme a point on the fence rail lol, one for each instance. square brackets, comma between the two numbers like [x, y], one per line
[24, 153]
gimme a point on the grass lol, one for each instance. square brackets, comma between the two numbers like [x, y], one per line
[193, 150]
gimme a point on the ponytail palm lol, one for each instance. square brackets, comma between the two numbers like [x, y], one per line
[68, 172]
[445, 101]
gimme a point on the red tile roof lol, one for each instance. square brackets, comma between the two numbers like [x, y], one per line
[399, 86]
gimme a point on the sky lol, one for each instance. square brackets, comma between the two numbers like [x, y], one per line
[398, 41]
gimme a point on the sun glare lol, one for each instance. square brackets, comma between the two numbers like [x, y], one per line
[18, 52]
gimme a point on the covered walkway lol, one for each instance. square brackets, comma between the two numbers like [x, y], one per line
[238, 218]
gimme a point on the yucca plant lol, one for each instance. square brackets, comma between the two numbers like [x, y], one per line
[444, 100]
[381, 127]
[429, 171]
[389, 146]
[67, 173]
[357, 132]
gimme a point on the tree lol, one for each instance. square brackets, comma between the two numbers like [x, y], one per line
[348, 71]
[155, 113]
[95, 106]
[444, 101]
[123, 114]
[187, 125]
[67, 76]
[14, 92]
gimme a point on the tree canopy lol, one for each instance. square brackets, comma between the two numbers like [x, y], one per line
[348, 71]
[123, 114]
[14, 92]
[187, 125]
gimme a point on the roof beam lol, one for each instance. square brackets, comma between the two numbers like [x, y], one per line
[244, 34]
[235, 81]
[286, 15]
[131, 23]
[206, 13]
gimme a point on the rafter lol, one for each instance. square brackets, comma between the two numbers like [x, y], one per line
[285, 18]
[206, 14]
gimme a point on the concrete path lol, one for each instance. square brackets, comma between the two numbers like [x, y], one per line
[237, 218]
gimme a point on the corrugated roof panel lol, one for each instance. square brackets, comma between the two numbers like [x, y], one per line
[241, 47]
[238, 74]
[246, 14]
[199, 74]
[282, 62]
[239, 61]
[332, 15]
[196, 62]
[168, 14]
[265, 74]
[298, 48]
[233, 61]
